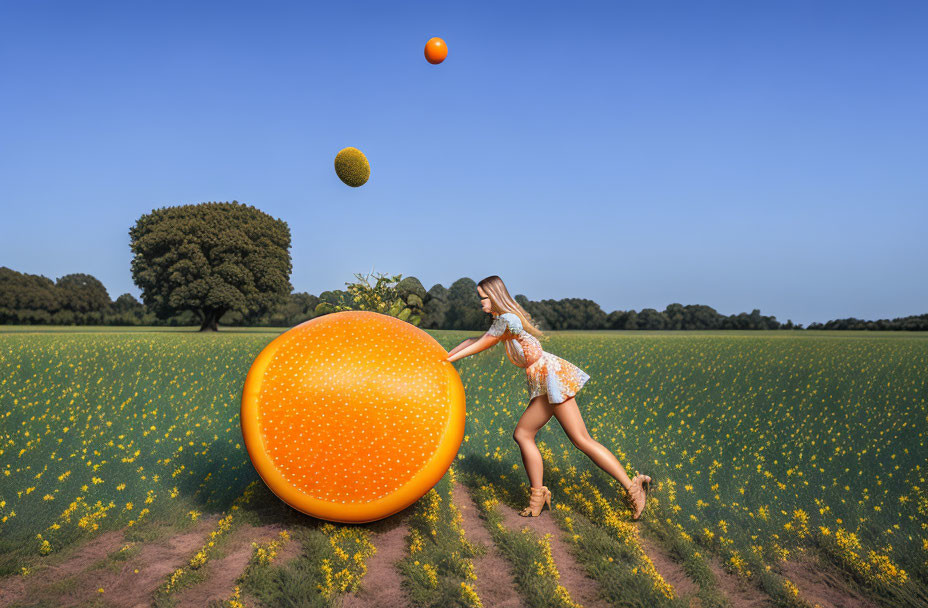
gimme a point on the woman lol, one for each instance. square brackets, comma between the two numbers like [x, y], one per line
[552, 383]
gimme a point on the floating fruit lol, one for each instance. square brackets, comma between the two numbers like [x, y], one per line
[352, 167]
[435, 50]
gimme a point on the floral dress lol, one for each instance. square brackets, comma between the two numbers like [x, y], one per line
[544, 373]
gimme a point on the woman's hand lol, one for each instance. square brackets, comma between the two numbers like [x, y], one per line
[472, 346]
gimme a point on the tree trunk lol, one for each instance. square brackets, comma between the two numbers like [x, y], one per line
[211, 320]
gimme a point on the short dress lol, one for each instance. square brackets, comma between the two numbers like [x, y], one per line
[544, 373]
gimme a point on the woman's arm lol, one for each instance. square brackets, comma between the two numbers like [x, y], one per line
[482, 343]
[462, 345]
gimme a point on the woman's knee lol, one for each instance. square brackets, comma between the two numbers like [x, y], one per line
[523, 436]
[584, 444]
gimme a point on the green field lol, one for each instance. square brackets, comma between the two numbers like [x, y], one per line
[765, 448]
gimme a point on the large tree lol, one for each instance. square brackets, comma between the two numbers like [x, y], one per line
[211, 258]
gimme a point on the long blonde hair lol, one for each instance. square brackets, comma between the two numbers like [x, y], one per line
[501, 301]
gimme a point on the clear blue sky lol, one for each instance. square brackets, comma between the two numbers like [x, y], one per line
[735, 154]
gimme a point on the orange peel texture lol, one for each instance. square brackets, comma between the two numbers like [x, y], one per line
[352, 416]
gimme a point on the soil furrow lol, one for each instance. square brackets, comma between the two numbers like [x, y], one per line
[819, 586]
[671, 571]
[221, 574]
[123, 589]
[156, 561]
[739, 592]
[289, 551]
[495, 585]
[382, 584]
[582, 588]
[14, 588]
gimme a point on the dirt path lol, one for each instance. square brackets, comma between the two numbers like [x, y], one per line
[13, 588]
[382, 584]
[156, 561]
[222, 573]
[582, 588]
[495, 585]
[90, 552]
[740, 593]
[671, 571]
[289, 551]
[819, 586]
[123, 589]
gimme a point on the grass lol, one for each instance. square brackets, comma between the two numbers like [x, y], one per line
[760, 441]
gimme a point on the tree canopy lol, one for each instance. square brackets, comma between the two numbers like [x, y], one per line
[83, 293]
[210, 259]
[389, 295]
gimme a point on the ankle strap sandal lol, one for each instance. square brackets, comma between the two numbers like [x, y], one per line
[638, 492]
[537, 501]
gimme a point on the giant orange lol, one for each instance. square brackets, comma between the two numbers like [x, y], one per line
[352, 416]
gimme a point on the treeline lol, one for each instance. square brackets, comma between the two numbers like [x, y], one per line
[74, 299]
[912, 323]
[81, 299]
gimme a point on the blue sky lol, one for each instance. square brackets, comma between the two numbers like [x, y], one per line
[740, 155]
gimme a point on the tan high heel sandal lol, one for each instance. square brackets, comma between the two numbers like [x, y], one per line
[536, 503]
[638, 492]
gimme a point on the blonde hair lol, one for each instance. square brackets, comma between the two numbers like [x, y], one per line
[501, 301]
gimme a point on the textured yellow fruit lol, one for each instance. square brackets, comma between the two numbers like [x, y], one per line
[352, 416]
[352, 167]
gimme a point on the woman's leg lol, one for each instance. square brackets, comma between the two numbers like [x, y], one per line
[535, 416]
[568, 415]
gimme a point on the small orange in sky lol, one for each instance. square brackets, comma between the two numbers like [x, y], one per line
[436, 50]
[352, 416]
